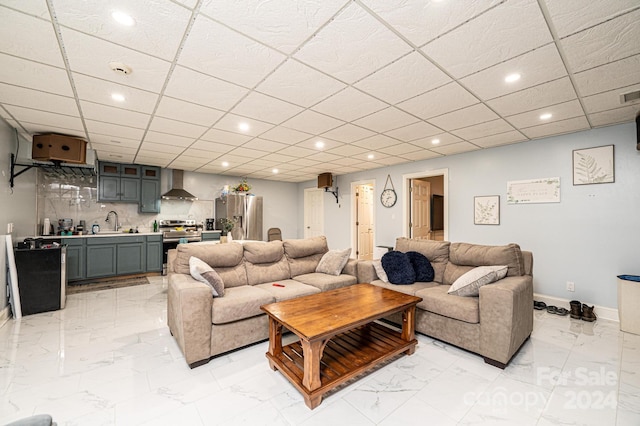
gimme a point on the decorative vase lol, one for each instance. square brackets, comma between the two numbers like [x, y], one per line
[229, 237]
[223, 239]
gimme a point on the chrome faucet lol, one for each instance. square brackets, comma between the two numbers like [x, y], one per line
[116, 225]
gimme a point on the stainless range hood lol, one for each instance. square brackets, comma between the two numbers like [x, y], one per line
[177, 191]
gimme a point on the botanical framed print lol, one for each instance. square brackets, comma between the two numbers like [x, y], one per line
[593, 165]
[486, 210]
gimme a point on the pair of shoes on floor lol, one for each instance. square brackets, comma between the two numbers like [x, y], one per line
[582, 311]
[538, 306]
[558, 311]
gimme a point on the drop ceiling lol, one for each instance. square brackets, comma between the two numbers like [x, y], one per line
[377, 81]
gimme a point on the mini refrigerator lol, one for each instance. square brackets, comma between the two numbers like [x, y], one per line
[41, 279]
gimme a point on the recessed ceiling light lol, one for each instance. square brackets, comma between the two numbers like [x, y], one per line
[123, 19]
[117, 97]
[370, 156]
[435, 141]
[225, 164]
[243, 127]
[319, 144]
[512, 77]
[546, 116]
[274, 171]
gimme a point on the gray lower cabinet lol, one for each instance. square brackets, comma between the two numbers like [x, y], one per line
[154, 253]
[75, 258]
[131, 256]
[101, 257]
[211, 236]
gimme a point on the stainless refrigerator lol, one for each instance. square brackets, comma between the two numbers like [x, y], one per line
[246, 213]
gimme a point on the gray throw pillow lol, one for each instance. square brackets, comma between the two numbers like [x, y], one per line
[377, 265]
[469, 283]
[204, 273]
[333, 261]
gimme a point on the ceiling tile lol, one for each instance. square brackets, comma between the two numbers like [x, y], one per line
[610, 76]
[266, 108]
[228, 138]
[328, 144]
[399, 148]
[560, 112]
[35, 99]
[515, 27]
[499, 139]
[539, 66]
[216, 50]
[38, 43]
[572, 16]
[386, 119]
[323, 157]
[36, 8]
[160, 149]
[439, 101]
[609, 100]
[410, 75]
[246, 152]
[108, 114]
[424, 154]
[212, 146]
[165, 125]
[200, 153]
[304, 162]
[101, 128]
[299, 84]
[348, 133]
[281, 24]
[24, 73]
[102, 148]
[154, 20]
[91, 56]
[168, 139]
[391, 160]
[557, 128]
[615, 116]
[280, 158]
[465, 117]
[187, 112]
[264, 145]
[376, 142]
[435, 141]
[551, 93]
[44, 117]
[312, 122]
[111, 140]
[456, 148]
[297, 151]
[347, 150]
[485, 129]
[231, 123]
[353, 45]
[192, 86]
[35, 128]
[607, 42]
[414, 131]
[349, 104]
[285, 135]
[100, 91]
[114, 156]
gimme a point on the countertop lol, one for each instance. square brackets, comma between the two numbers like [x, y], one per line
[109, 234]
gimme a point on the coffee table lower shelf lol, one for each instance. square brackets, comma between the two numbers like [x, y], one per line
[345, 356]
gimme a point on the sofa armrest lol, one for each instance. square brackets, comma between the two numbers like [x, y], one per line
[506, 316]
[351, 267]
[189, 304]
[366, 272]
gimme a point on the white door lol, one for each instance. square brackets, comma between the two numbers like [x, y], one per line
[364, 221]
[313, 212]
[420, 209]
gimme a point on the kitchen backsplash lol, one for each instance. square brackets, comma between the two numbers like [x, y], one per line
[76, 198]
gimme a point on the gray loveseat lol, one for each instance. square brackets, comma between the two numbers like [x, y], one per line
[205, 326]
[496, 323]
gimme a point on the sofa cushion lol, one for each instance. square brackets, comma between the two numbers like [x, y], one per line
[464, 257]
[398, 268]
[258, 273]
[469, 283]
[205, 274]
[421, 265]
[303, 255]
[288, 289]
[411, 289]
[333, 261]
[436, 251]
[326, 282]
[261, 252]
[377, 265]
[226, 259]
[436, 300]
[239, 303]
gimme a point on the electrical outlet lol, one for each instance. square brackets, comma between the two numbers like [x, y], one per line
[571, 286]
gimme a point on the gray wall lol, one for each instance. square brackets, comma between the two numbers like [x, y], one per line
[17, 206]
[588, 238]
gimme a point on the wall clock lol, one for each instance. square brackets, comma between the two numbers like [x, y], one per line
[388, 197]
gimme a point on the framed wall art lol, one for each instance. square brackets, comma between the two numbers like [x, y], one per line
[486, 210]
[593, 165]
[543, 190]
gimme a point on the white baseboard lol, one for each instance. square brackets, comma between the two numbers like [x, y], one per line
[5, 314]
[602, 312]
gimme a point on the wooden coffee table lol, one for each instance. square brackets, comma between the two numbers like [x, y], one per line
[338, 336]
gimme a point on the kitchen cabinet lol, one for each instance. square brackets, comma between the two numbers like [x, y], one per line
[75, 258]
[101, 257]
[154, 253]
[131, 255]
[119, 182]
[149, 196]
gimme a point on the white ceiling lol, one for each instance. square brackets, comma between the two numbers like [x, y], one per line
[370, 78]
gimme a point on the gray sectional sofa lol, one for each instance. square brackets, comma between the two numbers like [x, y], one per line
[495, 324]
[205, 326]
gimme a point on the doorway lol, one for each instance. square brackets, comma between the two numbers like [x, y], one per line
[425, 211]
[313, 212]
[362, 218]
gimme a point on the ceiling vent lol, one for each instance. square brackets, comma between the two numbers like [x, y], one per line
[630, 97]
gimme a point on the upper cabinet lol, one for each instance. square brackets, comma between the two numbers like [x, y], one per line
[130, 183]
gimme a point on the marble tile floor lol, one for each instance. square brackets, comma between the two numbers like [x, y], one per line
[108, 358]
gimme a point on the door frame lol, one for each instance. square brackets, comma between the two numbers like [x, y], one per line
[354, 234]
[406, 206]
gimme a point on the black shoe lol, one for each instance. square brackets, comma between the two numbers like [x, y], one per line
[576, 309]
[587, 313]
[539, 305]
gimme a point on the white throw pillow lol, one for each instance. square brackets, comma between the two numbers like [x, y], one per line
[469, 283]
[204, 273]
[377, 265]
[333, 261]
